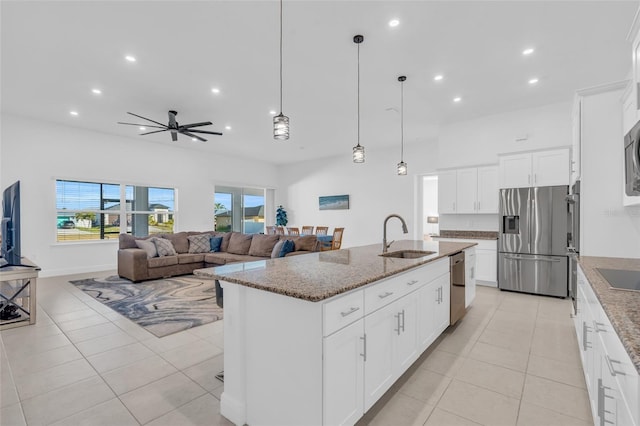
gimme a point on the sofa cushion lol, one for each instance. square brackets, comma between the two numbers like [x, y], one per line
[226, 237]
[223, 258]
[199, 243]
[262, 245]
[304, 242]
[147, 246]
[239, 243]
[277, 249]
[297, 253]
[179, 241]
[287, 247]
[215, 244]
[164, 246]
[157, 262]
[190, 258]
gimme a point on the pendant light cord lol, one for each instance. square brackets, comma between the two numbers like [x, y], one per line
[402, 121]
[358, 94]
[280, 57]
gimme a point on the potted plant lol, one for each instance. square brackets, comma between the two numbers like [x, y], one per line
[281, 216]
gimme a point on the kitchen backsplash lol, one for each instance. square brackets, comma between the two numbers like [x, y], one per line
[469, 222]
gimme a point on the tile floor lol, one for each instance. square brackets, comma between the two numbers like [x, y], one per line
[512, 360]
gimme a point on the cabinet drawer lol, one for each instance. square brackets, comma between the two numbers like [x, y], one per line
[343, 311]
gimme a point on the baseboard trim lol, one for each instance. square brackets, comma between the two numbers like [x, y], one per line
[52, 272]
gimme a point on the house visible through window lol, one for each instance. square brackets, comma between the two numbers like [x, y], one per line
[94, 211]
[239, 209]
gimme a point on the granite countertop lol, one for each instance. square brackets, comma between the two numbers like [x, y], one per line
[621, 306]
[321, 275]
[469, 235]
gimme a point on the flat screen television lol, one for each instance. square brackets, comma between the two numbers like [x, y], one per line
[11, 225]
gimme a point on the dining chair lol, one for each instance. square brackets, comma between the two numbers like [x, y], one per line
[307, 230]
[322, 230]
[271, 230]
[279, 230]
[293, 231]
[337, 238]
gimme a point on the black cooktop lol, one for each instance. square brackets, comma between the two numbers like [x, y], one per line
[621, 278]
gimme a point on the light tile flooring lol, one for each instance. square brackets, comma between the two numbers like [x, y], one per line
[512, 360]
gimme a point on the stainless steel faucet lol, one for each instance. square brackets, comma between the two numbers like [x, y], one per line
[385, 246]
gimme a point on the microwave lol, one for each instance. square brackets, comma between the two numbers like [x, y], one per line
[632, 161]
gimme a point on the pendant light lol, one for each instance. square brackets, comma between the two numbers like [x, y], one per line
[358, 150]
[281, 121]
[402, 166]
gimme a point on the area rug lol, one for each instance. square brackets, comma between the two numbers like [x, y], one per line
[162, 307]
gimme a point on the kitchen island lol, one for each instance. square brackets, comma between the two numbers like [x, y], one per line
[318, 339]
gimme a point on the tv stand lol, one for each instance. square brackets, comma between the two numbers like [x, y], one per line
[18, 294]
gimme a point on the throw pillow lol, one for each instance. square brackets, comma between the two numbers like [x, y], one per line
[239, 243]
[262, 245]
[179, 241]
[199, 243]
[287, 247]
[164, 246]
[306, 243]
[215, 243]
[149, 247]
[277, 249]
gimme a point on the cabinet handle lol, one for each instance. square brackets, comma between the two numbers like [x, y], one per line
[412, 282]
[528, 179]
[364, 347]
[350, 311]
[438, 295]
[612, 370]
[387, 294]
[454, 206]
[397, 317]
[585, 343]
[403, 320]
[535, 178]
[478, 205]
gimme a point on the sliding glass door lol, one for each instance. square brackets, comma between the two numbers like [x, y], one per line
[239, 209]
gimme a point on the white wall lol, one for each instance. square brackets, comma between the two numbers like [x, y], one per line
[479, 141]
[430, 203]
[36, 153]
[374, 189]
[607, 228]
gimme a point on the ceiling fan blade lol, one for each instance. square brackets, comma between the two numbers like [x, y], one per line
[204, 131]
[155, 131]
[191, 135]
[145, 118]
[174, 136]
[144, 125]
[204, 123]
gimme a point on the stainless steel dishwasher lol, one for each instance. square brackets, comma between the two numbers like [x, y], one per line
[457, 287]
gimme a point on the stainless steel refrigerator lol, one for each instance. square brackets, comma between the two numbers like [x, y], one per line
[532, 243]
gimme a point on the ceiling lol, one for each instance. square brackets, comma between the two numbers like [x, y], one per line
[54, 53]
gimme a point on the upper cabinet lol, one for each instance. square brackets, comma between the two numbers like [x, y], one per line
[471, 190]
[634, 38]
[538, 168]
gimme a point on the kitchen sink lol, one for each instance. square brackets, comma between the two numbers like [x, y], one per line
[407, 254]
[621, 278]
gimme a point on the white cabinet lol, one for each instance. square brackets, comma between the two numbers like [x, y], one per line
[486, 260]
[629, 112]
[538, 168]
[468, 191]
[612, 379]
[343, 375]
[469, 276]
[442, 307]
[576, 139]
[447, 191]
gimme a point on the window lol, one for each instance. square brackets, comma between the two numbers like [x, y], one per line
[93, 211]
[239, 209]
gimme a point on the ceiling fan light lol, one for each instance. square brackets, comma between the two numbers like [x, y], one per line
[358, 154]
[402, 168]
[281, 127]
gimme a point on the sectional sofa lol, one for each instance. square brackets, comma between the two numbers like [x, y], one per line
[167, 255]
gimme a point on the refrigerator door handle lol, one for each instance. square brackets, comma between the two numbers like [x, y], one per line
[534, 258]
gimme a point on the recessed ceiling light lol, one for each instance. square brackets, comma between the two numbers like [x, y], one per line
[528, 51]
[130, 58]
[227, 127]
[142, 128]
[97, 91]
[457, 99]
[533, 81]
[394, 23]
[74, 113]
[438, 77]
[272, 112]
[215, 90]
[194, 139]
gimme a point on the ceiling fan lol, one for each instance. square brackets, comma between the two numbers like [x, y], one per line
[174, 127]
